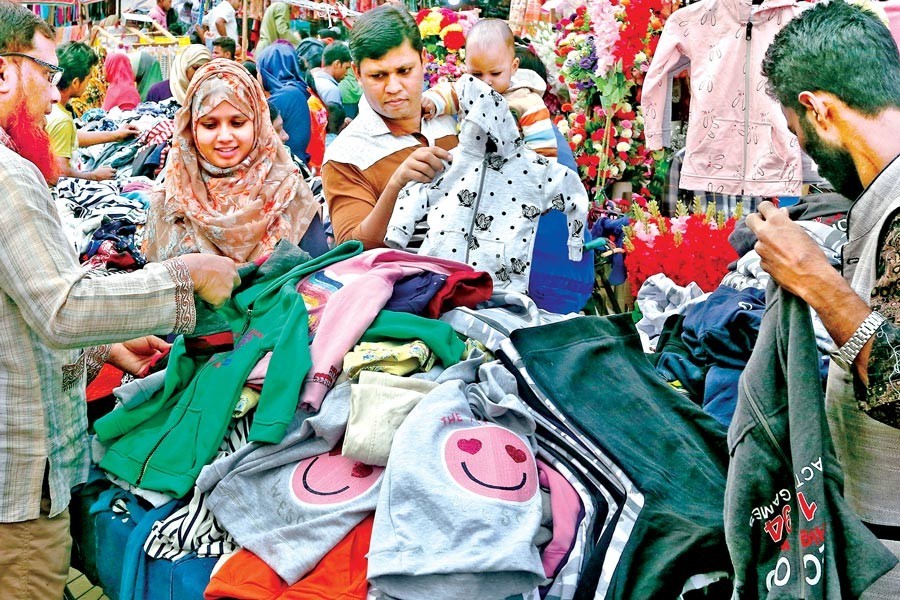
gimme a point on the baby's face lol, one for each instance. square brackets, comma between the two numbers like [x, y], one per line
[492, 64]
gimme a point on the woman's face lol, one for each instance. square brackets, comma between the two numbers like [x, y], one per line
[224, 136]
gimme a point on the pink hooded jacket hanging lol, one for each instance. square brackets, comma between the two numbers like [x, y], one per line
[122, 91]
[737, 139]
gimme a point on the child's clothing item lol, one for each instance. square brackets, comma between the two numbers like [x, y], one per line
[342, 302]
[525, 100]
[163, 443]
[397, 358]
[379, 403]
[462, 474]
[738, 141]
[290, 504]
[483, 209]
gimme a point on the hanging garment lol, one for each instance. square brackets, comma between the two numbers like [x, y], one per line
[737, 141]
[790, 532]
[483, 209]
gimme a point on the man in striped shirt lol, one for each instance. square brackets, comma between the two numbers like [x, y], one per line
[50, 309]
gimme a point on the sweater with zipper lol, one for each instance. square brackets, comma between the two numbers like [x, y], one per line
[738, 141]
[162, 444]
[484, 209]
[789, 531]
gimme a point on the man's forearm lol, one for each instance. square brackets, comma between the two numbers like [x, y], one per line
[841, 311]
[374, 226]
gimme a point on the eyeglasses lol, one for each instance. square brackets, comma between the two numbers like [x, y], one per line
[55, 73]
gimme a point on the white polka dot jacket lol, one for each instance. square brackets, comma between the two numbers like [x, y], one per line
[483, 209]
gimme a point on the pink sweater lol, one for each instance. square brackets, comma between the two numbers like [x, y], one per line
[737, 140]
[364, 285]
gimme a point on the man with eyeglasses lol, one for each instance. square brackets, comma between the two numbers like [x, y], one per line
[49, 309]
[76, 61]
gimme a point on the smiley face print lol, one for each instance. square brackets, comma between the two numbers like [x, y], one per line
[492, 462]
[331, 478]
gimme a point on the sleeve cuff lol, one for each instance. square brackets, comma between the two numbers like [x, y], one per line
[94, 359]
[185, 309]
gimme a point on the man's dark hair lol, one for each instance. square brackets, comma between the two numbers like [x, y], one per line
[838, 48]
[250, 66]
[336, 116]
[380, 30]
[274, 113]
[227, 44]
[337, 51]
[18, 26]
[76, 59]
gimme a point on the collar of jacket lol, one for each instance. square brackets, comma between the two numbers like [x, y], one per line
[741, 10]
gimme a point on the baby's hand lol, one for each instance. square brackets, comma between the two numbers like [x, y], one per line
[429, 110]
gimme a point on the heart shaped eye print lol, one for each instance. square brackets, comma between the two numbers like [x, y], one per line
[330, 478]
[516, 454]
[469, 446]
[492, 462]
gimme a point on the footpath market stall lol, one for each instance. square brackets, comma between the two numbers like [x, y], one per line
[384, 424]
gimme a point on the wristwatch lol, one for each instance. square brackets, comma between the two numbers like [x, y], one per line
[846, 354]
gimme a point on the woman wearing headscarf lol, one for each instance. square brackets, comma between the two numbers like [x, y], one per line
[122, 90]
[230, 186]
[281, 76]
[147, 72]
[187, 61]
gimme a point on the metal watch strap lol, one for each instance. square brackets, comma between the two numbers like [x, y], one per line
[847, 353]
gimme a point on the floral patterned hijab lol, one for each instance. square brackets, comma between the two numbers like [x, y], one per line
[240, 212]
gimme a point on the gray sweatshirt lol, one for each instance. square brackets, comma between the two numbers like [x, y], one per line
[460, 506]
[291, 503]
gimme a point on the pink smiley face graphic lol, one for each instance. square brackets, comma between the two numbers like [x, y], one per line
[491, 462]
[331, 478]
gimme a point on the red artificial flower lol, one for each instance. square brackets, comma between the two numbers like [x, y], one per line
[580, 119]
[454, 40]
[566, 107]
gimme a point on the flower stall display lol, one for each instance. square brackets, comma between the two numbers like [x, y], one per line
[691, 246]
[443, 34]
[602, 51]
